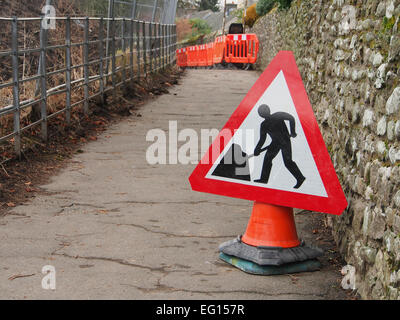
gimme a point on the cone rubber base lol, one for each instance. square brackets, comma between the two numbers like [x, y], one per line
[253, 268]
[269, 256]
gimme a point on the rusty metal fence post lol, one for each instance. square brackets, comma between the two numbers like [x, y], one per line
[113, 60]
[162, 45]
[101, 57]
[131, 43]
[150, 44]
[144, 48]
[174, 44]
[159, 39]
[123, 57]
[169, 43]
[43, 80]
[68, 68]
[86, 66]
[137, 24]
[15, 64]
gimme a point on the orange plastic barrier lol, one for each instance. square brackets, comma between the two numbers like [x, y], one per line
[210, 53]
[181, 57]
[219, 49]
[202, 56]
[241, 48]
[233, 48]
[192, 56]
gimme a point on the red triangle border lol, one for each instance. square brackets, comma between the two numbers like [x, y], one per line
[335, 203]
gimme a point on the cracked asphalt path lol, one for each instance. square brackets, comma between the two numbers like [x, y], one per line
[115, 227]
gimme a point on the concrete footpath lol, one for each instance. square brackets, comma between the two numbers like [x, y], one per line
[115, 227]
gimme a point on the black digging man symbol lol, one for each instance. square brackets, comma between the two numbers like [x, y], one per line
[274, 126]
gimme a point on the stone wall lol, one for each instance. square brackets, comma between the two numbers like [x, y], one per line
[348, 54]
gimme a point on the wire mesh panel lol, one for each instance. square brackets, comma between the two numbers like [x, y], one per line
[160, 11]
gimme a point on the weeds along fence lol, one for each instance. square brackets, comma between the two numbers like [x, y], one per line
[47, 73]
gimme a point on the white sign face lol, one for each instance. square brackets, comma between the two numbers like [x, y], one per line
[288, 163]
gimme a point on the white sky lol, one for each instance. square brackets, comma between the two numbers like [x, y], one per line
[221, 2]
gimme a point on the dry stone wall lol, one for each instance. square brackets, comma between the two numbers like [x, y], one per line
[348, 55]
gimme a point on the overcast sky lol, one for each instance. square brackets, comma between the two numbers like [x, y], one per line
[221, 2]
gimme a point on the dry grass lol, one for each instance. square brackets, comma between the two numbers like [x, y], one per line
[183, 29]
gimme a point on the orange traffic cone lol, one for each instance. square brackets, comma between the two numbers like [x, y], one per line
[271, 226]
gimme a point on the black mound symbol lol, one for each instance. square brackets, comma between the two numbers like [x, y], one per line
[234, 165]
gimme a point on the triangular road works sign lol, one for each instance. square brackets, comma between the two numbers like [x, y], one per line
[271, 149]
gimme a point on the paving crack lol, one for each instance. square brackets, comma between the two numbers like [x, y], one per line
[169, 234]
[161, 288]
[59, 212]
[115, 260]
[176, 202]
[86, 205]
[22, 215]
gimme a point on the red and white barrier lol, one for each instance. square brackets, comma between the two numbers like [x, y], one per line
[232, 48]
